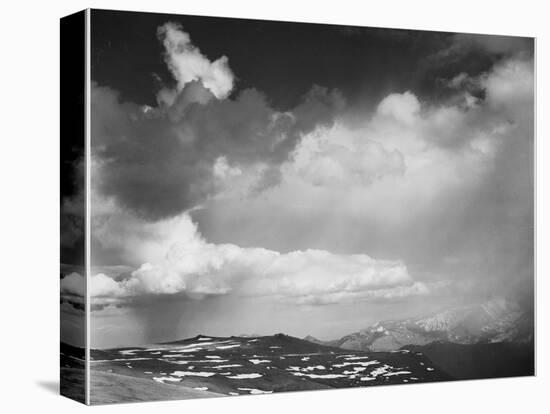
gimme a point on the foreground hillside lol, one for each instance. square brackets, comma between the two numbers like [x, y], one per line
[109, 388]
[72, 372]
[252, 365]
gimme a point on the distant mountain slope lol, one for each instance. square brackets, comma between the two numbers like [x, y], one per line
[494, 321]
[488, 360]
[312, 339]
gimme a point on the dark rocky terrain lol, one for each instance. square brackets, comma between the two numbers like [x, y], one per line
[206, 366]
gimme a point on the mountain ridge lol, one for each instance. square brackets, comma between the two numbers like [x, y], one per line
[489, 322]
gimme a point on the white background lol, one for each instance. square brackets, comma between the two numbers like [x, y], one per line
[29, 240]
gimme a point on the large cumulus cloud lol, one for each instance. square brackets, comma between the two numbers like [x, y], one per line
[151, 166]
[446, 187]
[160, 162]
[178, 260]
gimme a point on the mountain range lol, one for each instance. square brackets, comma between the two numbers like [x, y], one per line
[490, 322]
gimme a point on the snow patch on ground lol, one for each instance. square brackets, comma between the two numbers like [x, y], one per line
[129, 351]
[228, 346]
[192, 373]
[379, 371]
[391, 374]
[355, 370]
[313, 368]
[227, 366]
[255, 391]
[171, 361]
[245, 376]
[259, 361]
[363, 364]
[120, 359]
[164, 380]
[326, 376]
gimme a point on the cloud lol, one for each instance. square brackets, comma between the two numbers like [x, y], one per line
[186, 63]
[441, 188]
[103, 289]
[72, 215]
[73, 284]
[508, 46]
[509, 87]
[402, 148]
[464, 56]
[340, 156]
[161, 162]
[445, 187]
[402, 107]
[196, 268]
[133, 240]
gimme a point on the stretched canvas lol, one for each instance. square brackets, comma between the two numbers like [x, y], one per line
[254, 207]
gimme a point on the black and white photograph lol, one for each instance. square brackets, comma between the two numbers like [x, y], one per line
[282, 206]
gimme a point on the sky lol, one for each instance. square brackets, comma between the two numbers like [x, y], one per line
[253, 177]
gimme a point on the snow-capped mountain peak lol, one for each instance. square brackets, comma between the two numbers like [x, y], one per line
[493, 321]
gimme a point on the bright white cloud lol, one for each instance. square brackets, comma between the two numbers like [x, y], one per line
[339, 155]
[73, 284]
[187, 64]
[390, 171]
[101, 286]
[401, 107]
[509, 86]
[195, 267]
[136, 240]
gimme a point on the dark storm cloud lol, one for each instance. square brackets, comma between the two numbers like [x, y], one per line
[502, 46]
[72, 212]
[468, 54]
[159, 163]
